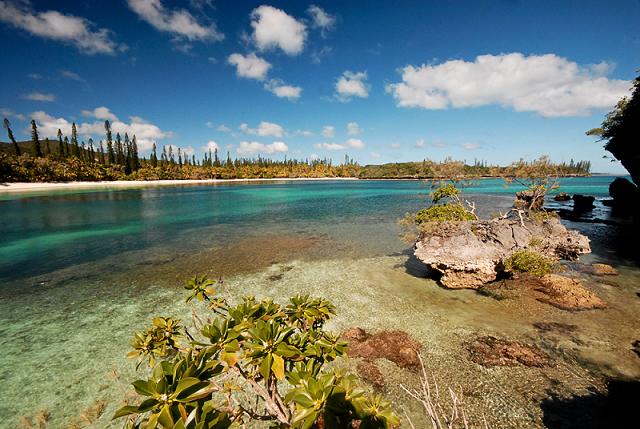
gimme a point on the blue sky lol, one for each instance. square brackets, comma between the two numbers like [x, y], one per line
[379, 81]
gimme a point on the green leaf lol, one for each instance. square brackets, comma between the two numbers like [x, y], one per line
[265, 366]
[188, 386]
[125, 411]
[165, 418]
[143, 388]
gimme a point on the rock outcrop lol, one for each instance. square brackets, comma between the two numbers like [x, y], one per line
[562, 196]
[583, 203]
[470, 254]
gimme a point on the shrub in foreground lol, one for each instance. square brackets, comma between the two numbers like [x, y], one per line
[253, 361]
[529, 261]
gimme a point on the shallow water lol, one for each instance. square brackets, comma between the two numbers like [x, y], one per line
[80, 271]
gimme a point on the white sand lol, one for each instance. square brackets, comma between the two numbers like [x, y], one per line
[59, 186]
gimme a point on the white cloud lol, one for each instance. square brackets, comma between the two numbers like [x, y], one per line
[374, 155]
[420, 143]
[278, 87]
[546, 84]
[330, 146]
[212, 146]
[256, 147]
[8, 113]
[470, 146]
[209, 124]
[71, 75]
[321, 19]
[329, 131]
[100, 113]
[39, 96]
[250, 66]
[353, 129]
[54, 25]
[395, 145]
[274, 28]
[265, 129]
[355, 144]
[35, 76]
[350, 85]
[146, 133]
[223, 128]
[304, 133]
[179, 22]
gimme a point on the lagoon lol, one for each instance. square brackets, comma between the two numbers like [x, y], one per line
[80, 270]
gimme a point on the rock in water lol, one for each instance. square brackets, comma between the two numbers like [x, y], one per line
[562, 196]
[603, 270]
[491, 351]
[470, 254]
[583, 203]
[568, 294]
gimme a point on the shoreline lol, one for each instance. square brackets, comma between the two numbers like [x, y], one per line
[16, 187]
[26, 187]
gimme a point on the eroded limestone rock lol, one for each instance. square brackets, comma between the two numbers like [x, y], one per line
[470, 254]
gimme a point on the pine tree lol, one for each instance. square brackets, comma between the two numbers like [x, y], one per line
[127, 157]
[74, 141]
[60, 146]
[7, 126]
[35, 140]
[134, 153]
[119, 153]
[154, 156]
[112, 157]
[102, 159]
[92, 153]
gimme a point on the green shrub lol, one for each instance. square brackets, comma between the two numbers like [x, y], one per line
[448, 191]
[528, 261]
[542, 215]
[443, 213]
[257, 360]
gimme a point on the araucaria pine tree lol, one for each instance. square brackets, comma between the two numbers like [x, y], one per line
[7, 126]
[35, 140]
[74, 141]
[110, 153]
[61, 153]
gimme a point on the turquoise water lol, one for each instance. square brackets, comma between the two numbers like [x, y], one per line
[81, 270]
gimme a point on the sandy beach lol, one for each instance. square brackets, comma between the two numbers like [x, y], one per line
[60, 186]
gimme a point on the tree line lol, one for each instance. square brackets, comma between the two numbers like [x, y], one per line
[117, 158]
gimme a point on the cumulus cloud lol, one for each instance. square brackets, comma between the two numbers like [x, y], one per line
[355, 144]
[281, 90]
[329, 131]
[146, 133]
[274, 28]
[395, 145]
[548, 85]
[39, 96]
[54, 25]
[351, 143]
[330, 146]
[178, 22]
[257, 147]
[321, 19]
[223, 128]
[265, 129]
[212, 146]
[100, 113]
[350, 85]
[353, 129]
[304, 133]
[420, 143]
[250, 66]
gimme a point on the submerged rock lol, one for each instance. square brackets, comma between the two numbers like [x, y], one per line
[603, 270]
[492, 351]
[395, 346]
[470, 254]
[567, 294]
[370, 372]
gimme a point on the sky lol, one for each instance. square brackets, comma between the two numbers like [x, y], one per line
[379, 81]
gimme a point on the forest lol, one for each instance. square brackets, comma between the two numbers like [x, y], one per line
[117, 158]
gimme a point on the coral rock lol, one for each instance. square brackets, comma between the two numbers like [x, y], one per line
[491, 351]
[567, 294]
